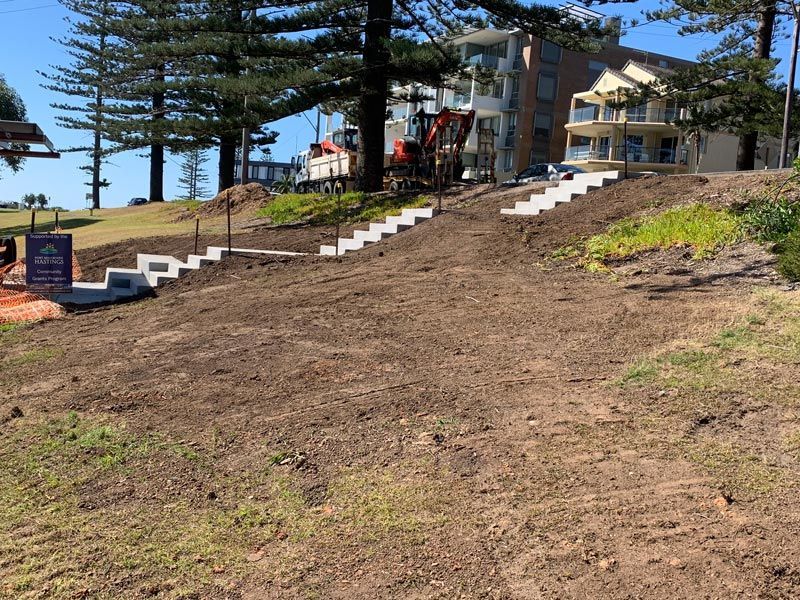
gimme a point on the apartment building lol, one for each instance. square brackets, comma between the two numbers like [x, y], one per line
[602, 137]
[529, 102]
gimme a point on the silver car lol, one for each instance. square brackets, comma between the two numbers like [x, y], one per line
[544, 172]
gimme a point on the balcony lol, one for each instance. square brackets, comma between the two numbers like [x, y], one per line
[587, 153]
[484, 60]
[652, 154]
[637, 114]
[591, 113]
[510, 139]
[512, 104]
[460, 100]
[641, 114]
[636, 154]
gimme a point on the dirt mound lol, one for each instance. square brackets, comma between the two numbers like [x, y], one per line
[250, 196]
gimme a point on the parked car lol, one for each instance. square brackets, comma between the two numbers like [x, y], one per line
[137, 201]
[544, 172]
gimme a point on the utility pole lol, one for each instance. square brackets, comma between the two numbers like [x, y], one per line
[787, 109]
[246, 131]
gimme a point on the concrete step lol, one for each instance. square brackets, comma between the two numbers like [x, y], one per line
[370, 236]
[563, 193]
[330, 251]
[408, 217]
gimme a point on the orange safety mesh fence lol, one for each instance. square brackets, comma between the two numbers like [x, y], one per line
[38, 310]
[18, 306]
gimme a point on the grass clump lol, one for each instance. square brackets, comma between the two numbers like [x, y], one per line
[697, 226]
[738, 471]
[355, 207]
[31, 357]
[641, 372]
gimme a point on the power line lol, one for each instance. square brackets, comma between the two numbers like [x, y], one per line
[16, 10]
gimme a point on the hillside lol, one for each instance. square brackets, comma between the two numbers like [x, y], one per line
[451, 413]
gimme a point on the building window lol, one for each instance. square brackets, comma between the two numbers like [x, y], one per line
[547, 89]
[492, 123]
[498, 88]
[508, 161]
[551, 52]
[499, 50]
[542, 125]
[512, 124]
[596, 68]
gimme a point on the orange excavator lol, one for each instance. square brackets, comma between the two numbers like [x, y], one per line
[435, 139]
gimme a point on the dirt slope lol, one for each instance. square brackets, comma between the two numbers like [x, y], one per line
[448, 380]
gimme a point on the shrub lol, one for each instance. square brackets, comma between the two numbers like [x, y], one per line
[771, 220]
[789, 259]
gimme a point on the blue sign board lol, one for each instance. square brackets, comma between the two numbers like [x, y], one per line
[48, 262]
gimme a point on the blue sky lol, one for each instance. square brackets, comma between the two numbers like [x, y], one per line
[26, 46]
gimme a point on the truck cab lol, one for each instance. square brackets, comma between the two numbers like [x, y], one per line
[300, 168]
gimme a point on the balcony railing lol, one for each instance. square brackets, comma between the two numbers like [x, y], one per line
[510, 139]
[591, 113]
[518, 63]
[635, 115]
[636, 154]
[461, 99]
[513, 102]
[484, 60]
[641, 114]
[643, 154]
[587, 153]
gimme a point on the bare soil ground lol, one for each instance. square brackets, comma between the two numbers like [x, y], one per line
[446, 414]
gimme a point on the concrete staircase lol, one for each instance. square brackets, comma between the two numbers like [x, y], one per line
[151, 271]
[379, 231]
[565, 192]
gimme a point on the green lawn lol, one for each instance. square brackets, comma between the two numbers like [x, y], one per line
[106, 225]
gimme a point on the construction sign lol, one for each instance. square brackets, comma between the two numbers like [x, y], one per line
[48, 262]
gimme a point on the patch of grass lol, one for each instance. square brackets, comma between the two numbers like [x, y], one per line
[190, 205]
[697, 226]
[372, 506]
[733, 337]
[66, 525]
[9, 327]
[641, 372]
[738, 471]
[355, 207]
[109, 225]
[31, 357]
[694, 360]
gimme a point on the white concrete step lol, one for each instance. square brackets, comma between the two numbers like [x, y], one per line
[563, 193]
[151, 271]
[408, 217]
[369, 235]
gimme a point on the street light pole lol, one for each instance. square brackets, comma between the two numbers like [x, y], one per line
[246, 133]
[787, 109]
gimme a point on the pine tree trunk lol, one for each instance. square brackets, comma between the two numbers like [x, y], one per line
[156, 173]
[374, 96]
[748, 143]
[227, 161]
[97, 155]
[157, 150]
